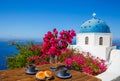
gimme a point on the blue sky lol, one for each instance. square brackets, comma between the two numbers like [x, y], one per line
[33, 18]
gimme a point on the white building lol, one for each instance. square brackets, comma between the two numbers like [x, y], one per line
[95, 37]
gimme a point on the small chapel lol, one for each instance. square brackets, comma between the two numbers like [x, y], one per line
[95, 37]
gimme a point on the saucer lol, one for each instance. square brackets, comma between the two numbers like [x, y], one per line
[46, 78]
[31, 73]
[68, 75]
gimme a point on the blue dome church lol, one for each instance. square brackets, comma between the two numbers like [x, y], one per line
[95, 37]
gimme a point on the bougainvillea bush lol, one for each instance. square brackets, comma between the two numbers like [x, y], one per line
[57, 44]
[83, 62]
[87, 63]
[54, 44]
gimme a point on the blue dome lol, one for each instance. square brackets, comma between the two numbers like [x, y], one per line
[94, 25]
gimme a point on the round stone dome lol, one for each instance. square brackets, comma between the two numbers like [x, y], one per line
[94, 25]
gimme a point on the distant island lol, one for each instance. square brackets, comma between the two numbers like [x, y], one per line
[21, 40]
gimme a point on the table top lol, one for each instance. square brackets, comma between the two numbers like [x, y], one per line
[19, 75]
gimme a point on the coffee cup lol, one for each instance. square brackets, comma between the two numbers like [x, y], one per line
[31, 68]
[63, 71]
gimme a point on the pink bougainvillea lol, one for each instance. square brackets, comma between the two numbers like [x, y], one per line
[68, 61]
[36, 47]
[86, 63]
[39, 60]
[54, 43]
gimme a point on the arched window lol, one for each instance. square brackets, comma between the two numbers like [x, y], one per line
[101, 41]
[86, 40]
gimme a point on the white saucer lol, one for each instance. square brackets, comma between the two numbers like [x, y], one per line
[68, 75]
[31, 73]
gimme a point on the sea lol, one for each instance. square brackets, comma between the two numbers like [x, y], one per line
[7, 50]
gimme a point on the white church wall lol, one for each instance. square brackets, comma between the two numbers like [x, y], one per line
[81, 38]
[93, 43]
[95, 51]
[98, 51]
[87, 49]
[94, 38]
[106, 39]
[102, 52]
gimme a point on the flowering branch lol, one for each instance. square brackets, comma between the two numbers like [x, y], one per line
[53, 44]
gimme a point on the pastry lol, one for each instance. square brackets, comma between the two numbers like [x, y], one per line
[40, 75]
[48, 73]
